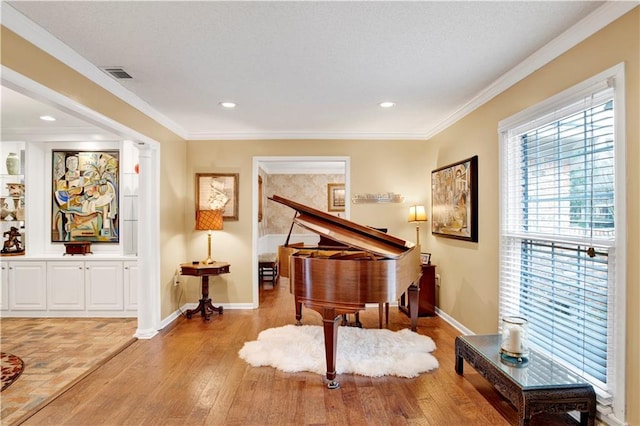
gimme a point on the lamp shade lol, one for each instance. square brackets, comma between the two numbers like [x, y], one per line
[209, 220]
[417, 214]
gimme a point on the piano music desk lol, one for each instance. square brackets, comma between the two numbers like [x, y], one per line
[203, 270]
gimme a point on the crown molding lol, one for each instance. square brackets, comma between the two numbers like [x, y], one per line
[36, 35]
[589, 25]
[585, 28]
[304, 135]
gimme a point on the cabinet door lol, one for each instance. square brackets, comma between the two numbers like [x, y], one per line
[4, 287]
[65, 285]
[131, 279]
[28, 286]
[103, 281]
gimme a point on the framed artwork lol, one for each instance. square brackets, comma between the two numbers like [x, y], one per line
[425, 258]
[85, 194]
[221, 188]
[454, 200]
[336, 197]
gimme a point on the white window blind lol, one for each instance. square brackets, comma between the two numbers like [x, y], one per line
[558, 232]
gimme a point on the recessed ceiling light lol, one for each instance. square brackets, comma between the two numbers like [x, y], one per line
[387, 104]
[47, 118]
[226, 104]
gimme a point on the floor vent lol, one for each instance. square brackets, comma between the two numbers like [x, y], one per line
[116, 72]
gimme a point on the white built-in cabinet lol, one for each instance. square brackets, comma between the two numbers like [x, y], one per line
[65, 286]
[104, 286]
[43, 282]
[4, 287]
[69, 288]
[27, 285]
[131, 274]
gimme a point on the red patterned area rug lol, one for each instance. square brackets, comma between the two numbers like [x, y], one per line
[12, 367]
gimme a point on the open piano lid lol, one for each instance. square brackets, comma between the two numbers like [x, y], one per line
[346, 232]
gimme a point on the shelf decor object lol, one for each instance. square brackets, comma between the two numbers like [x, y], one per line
[77, 247]
[454, 200]
[388, 197]
[12, 245]
[13, 164]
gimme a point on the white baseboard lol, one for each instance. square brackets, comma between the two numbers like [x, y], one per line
[178, 312]
[455, 324]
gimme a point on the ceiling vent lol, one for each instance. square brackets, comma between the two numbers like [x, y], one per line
[117, 72]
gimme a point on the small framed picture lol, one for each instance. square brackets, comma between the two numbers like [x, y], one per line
[335, 197]
[425, 258]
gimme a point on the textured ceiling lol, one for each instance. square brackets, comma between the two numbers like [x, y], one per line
[305, 69]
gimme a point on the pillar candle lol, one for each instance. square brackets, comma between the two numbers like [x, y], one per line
[515, 341]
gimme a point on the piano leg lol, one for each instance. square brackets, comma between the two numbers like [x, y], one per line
[414, 292]
[298, 313]
[330, 321]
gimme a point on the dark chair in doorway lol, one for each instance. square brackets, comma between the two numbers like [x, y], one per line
[268, 267]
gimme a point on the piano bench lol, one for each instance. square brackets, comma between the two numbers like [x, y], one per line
[267, 267]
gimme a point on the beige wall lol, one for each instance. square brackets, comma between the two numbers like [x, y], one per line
[26, 59]
[400, 166]
[469, 290]
[469, 270]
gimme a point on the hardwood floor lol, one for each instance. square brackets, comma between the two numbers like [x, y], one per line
[191, 374]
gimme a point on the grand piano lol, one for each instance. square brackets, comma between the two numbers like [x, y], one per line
[368, 266]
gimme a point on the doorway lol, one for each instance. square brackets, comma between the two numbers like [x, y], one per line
[294, 165]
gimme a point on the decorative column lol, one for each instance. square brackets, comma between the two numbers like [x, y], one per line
[148, 244]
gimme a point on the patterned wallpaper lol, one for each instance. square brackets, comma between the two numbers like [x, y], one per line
[310, 190]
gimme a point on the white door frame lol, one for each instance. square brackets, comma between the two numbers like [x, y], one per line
[257, 162]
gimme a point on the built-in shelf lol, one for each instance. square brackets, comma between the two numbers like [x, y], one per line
[388, 197]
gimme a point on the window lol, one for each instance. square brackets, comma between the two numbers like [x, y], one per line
[561, 244]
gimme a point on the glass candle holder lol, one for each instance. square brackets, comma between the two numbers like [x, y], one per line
[514, 341]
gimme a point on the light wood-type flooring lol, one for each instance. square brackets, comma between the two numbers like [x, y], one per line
[191, 374]
[57, 352]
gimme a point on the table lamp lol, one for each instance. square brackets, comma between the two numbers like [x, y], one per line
[417, 214]
[209, 220]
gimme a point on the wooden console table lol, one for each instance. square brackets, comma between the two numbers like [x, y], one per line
[538, 386]
[203, 270]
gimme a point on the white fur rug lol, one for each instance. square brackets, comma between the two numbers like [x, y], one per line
[368, 352]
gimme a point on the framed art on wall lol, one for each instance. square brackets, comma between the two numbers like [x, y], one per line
[225, 185]
[85, 187]
[336, 197]
[454, 200]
